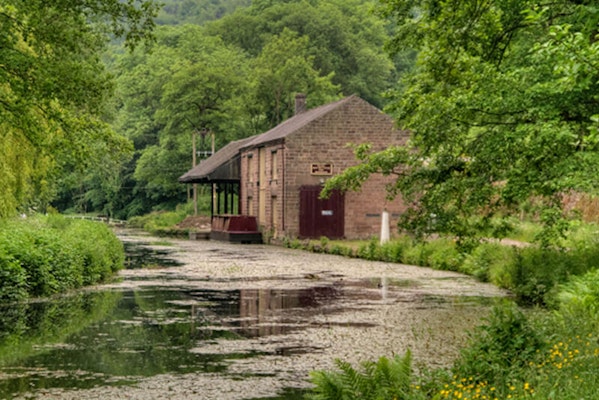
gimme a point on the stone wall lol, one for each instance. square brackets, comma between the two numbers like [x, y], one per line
[310, 156]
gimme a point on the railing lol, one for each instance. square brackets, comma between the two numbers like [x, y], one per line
[106, 220]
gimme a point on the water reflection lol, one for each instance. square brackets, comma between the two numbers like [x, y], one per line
[140, 255]
[117, 337]
[114, 337]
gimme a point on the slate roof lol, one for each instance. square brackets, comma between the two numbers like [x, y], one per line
[221, 166]
[224, 165]
[296, 122]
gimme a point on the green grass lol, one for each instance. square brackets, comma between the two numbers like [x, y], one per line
[163, 223]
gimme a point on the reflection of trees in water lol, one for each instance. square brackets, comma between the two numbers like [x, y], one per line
[27, 329]
[266, 312]
[140, 333]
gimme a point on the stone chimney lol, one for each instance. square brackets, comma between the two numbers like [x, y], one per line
[300, 103]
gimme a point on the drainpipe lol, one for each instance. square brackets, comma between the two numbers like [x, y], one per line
[284, 210]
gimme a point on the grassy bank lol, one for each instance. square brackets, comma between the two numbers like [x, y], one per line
[44, 255]
[534, 354]
[531, 272]
[167, 223]
[547, 350]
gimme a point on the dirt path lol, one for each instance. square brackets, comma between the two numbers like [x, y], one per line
[384, 309]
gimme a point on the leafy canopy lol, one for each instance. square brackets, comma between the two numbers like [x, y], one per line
[53, 88]
[503, 108]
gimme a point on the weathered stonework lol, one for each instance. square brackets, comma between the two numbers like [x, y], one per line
[273, 171]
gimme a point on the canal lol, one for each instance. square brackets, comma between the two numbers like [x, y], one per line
[209, 320]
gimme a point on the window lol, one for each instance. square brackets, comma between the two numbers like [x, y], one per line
[274, 165]
[250, 167]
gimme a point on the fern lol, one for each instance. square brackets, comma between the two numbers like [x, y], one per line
[382, 380]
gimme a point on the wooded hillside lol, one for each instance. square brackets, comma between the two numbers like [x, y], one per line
[229, 68]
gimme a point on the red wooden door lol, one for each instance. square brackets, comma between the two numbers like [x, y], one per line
[321, 217]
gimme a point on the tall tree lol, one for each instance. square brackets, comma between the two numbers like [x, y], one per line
[53, 88]
[502, 106]
[189, 83]
[344, 38]
[284, 68]
[179, 12]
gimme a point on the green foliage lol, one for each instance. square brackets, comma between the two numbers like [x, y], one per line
[13, 278]
[384, 379]
[487, 262]
[46, 255]
[500, 348]
[370, 250]
[579, 297]
[55, 89]
[515, 356]
[158, 222]
[343, 36]
[283, 68]
[443, 254]
[502, 109]
[198, 12]
[534, 272]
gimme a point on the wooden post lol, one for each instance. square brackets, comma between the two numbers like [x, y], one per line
[213, 186]
[195, 185]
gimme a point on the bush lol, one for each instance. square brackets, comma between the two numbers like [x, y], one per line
[393, 251]
[443, 254]
[579, 298]
[45, 255]
[157, 221]
[369, 251]
[535, 272]
[487, 263]
[13, 280]
[500, 351]
[98, 262]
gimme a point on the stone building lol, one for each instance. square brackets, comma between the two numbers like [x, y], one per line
[278, 175]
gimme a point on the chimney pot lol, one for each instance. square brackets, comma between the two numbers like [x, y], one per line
[300, 103]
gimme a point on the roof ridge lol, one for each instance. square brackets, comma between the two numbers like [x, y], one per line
[296, 122]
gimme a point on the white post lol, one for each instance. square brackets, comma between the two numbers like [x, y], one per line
[385, 227]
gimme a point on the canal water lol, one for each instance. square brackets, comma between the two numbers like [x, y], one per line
[154, 338]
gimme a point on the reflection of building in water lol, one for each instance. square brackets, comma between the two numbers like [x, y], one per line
[264, 312]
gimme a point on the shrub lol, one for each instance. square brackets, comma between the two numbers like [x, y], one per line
[535, 272]
[45, 255]
[156, 221]
[393, 251]
[13, 286]
[370, 250]
[418, 254]
[487, 263]
[501, 350]
[579, 297]
[98, 261]
[442, 254]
